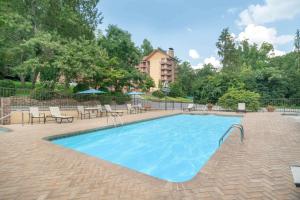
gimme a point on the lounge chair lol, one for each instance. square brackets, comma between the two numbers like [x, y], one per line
[109, 110]
[296, 174]
[82, 113]
[189, 108]
[141, 108]
[241, 107]
[55, 113]
[35, 113]
[130, 109]
[201, 108]
[100, 110]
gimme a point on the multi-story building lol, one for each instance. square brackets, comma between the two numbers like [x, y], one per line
[160, 65]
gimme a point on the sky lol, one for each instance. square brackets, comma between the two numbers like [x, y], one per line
[192, 27]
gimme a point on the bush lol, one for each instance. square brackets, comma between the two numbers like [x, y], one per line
[235, 96]
[105, 99]
[158, 94]
[121, 98]
[176, 90]
[42, 94]
[80, 87]
[7, 88]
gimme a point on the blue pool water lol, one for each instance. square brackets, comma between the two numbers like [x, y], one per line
[172, 148]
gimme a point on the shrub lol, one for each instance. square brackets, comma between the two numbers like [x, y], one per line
[80, 87]
[235, 96]
[42, 94]
[105, 99]
[121, 98]
[7, 88]
[158, 94]
[176, 90]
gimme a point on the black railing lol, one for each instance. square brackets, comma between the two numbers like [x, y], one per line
[23, 98]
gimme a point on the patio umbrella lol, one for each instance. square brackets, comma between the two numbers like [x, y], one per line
[91, 91]
[135, 93]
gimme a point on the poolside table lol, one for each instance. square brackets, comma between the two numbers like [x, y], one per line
[92, 109]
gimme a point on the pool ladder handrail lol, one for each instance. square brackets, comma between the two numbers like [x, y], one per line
[239, 126]
[115, 117]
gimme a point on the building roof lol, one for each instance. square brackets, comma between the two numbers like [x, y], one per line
[155, 51]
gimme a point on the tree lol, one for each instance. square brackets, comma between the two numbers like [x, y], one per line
[297, 48]
[146, 47]
[185, 78]
[227, 50]
[120, 47]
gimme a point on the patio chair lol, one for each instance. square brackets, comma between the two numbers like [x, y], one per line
[241, 107]
[82, 112]
[55, 113]
[189, 108]
[130, 109]
[35, 113]
[141, 108]
[296, 174]
[100, 110]
[109, 110]
[201, 108]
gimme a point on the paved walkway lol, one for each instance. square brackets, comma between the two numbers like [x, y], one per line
[32, 168]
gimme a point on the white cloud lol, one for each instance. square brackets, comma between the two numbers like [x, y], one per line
[259, 34]
[270, 11]
[189, 29]
[194, 54]
[211, 60]
[276, 52]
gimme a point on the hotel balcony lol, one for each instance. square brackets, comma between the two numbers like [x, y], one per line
[166, 78]
[164, 67]
[166, 62]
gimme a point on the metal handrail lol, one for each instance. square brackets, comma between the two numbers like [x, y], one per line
[114, 119]
[2, 118]
[239, 126]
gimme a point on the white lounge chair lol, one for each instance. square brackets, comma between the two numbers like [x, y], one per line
[55, 113]
[35, 113]
[109, 110]
[296, 174]
[82, 113]
[130, 109]
[100, 110]
[189, 108]
[241, 107]
[141, 108]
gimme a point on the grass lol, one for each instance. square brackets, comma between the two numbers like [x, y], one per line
[176, 99]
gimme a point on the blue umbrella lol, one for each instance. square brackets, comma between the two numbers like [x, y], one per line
[91, 91]
[135, 93]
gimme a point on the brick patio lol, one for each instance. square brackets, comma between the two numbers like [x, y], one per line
[32, 168]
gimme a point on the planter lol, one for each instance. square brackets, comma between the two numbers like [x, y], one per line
[209, 107]
[270, 108]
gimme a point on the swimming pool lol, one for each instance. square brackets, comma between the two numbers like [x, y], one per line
[172, 148]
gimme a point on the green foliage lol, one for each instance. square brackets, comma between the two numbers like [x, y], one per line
[176, 90]
[146, 47]
[234, 96]
[7, 88]
[105, 99]
[227, 51]
[121, 98]
[158, 94]
[42, 93]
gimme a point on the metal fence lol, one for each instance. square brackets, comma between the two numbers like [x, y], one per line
[21, 99]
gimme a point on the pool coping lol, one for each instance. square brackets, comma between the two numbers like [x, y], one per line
[162, 181]
[81, 132]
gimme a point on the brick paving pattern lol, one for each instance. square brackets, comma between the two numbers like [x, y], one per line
[32, 168]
